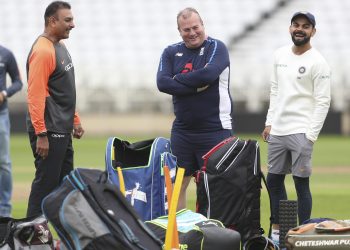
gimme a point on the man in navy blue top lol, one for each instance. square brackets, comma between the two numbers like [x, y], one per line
[8, 65]
[196, 72]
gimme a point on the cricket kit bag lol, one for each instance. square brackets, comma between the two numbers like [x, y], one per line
[88, 212]
[328, 234]
[196, 232]
[142, 170]
[26, 233]
[229, 186]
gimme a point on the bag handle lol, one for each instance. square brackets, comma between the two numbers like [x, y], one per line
[109, 153]
[269, 194]
[267, 188]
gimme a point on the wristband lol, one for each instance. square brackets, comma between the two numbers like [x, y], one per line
[42, 134]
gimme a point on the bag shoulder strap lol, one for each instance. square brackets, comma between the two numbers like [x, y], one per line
[258, 168]
[270, 202]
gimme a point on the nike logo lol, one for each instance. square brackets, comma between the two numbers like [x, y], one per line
[62, 62]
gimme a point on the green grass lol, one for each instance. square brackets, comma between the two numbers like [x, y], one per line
[329, 183]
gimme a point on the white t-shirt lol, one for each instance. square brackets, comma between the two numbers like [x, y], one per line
[300, 93]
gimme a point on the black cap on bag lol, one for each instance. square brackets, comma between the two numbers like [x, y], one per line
[308, 16]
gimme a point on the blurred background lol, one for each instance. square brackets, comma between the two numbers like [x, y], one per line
[116, 46]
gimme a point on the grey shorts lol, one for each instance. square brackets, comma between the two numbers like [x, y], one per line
[289, 154]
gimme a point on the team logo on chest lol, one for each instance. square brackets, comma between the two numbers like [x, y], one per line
[302, 70]
[201, 52]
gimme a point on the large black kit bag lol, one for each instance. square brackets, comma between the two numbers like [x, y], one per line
[229, 186]
[196, 232]
[88, 212]
[25, 233]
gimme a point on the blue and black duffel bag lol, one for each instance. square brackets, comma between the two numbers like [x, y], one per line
[142, 165]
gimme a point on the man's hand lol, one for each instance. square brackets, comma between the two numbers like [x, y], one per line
[78, 131]
[265, 134]
[2, 97]
[42, 146]
[202, 88]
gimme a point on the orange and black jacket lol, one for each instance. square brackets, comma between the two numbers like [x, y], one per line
[51, 88]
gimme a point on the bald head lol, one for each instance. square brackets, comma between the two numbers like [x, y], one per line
[187, 13]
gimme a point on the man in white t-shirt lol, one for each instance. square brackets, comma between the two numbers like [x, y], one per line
[299, 103]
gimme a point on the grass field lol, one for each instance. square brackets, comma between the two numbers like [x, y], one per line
[329, 183]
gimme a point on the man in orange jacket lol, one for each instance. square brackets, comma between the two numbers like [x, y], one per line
[52, 118]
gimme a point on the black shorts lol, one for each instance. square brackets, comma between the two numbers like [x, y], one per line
[190, 146]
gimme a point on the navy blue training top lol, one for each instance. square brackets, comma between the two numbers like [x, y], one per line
[8, 65]
[182, 71]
